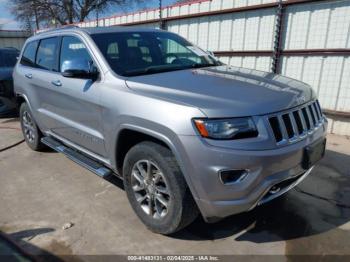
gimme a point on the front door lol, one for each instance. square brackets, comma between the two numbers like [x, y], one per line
[78, 102]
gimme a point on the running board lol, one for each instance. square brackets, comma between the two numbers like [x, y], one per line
[77, 157]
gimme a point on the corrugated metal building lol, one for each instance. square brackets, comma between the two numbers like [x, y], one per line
[304, 39]
[11, 38]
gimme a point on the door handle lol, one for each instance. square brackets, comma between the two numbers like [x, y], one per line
[29, 76]
[56, 83]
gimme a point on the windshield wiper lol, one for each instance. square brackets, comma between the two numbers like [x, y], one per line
[166, 68]
[200, 65]
[154, 69]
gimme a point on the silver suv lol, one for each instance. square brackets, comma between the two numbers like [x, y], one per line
[187, 134]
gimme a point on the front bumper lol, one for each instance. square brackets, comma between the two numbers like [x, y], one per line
[266, 168]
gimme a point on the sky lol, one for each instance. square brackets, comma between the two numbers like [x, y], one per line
[10, 22]
[6, 18]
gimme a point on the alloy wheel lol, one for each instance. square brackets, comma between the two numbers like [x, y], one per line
[28, 126]
[150, 188]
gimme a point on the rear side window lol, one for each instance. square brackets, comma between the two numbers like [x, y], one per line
[46, 57]
[28, 57]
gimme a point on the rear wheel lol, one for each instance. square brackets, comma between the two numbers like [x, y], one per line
[30, 130]
[156, 188]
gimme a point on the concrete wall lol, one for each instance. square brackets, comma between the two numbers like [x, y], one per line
[13, 38]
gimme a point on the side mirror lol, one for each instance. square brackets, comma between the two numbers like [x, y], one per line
[210, 53]
[79, 68]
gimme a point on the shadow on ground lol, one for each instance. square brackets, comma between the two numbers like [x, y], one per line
[9, 120]
[320, 203]
[16, 246]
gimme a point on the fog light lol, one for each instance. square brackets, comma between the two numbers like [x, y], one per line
[229, 177]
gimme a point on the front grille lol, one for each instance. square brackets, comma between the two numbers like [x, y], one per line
[297, 123]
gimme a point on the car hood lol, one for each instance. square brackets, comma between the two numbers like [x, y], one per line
[6, 73]
[225, 91]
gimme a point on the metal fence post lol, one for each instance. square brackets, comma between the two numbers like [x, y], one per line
[276, 57]
[161, 21]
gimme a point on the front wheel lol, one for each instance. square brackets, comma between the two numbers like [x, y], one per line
[30, 130]
[156, 188]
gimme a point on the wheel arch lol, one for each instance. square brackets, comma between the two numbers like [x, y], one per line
[141, 134]
[21, 98]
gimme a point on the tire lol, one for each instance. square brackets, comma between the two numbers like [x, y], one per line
[166, 186]
[30, 130]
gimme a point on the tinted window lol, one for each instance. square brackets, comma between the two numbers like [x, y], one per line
[137, 53]
[46, 57]
[28, 57]
[72, 48]
[8, 58]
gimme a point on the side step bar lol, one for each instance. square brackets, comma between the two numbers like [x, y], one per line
[77, 157]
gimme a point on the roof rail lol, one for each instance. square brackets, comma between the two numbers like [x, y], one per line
[57, 29]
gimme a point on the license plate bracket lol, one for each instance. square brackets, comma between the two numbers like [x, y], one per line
[313, 153]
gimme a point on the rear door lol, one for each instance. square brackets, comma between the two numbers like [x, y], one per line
[38, 64]
[77, 101]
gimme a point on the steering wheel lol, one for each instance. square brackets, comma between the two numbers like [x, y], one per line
[171, 55]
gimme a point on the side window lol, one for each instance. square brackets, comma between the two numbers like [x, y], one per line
[72, 48]
[46, 57]
[28, 57]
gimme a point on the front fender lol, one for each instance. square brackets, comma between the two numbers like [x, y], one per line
[163, 134]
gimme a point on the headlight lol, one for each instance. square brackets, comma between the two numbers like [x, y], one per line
[233, 128]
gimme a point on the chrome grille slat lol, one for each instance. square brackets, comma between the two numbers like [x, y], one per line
[310, 117]
[319, 113]
[319, 108]
[315, 113]
[295, 124]
[302, 121]
[313, 117]
[282, 127]
[306, 118]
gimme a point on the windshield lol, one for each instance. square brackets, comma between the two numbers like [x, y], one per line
[140, 53]
[8, 58]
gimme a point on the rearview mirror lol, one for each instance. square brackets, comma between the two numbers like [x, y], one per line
[79, 68]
